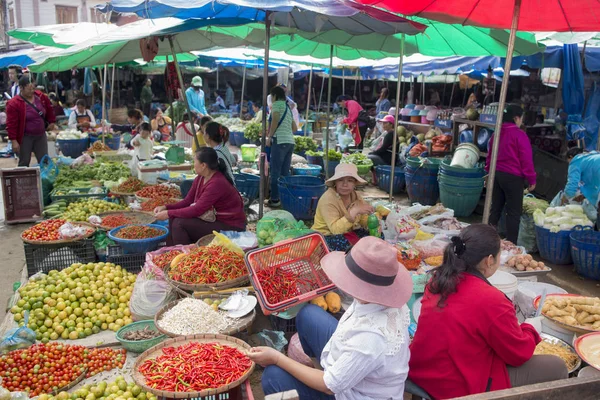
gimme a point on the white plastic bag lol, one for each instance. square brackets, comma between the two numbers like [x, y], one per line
[69, 231]
[149, 296]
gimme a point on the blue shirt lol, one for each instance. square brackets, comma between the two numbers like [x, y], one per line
[196, 100]
[584, 175]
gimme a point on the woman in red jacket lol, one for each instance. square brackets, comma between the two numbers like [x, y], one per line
[28, 116]
[212, 192]
[468, 338]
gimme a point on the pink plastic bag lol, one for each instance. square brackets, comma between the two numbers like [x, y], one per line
[432, 247]
[296, 353]
[150, 267]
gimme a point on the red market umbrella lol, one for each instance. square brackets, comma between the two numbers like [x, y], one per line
[535, 15]
[528, 15]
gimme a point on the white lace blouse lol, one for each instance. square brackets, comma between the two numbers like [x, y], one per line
[367, 356]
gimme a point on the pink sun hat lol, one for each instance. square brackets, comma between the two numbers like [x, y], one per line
[387, 118]
[370, 272]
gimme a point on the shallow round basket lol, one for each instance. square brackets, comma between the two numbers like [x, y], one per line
[118, 193]
[240, 325]
[554, 340]
[70, 385]
[572, 328]
[148, 198]
[139, 346]
[205, 240]
[205, 287]
[156, 351]
[91, 231]
[139, 218]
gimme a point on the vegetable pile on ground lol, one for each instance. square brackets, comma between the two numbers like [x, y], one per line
[280, 284]
[116, 220]
[193, 316]
[76, 302]
[83, 175]
[194, 367]
[208, 265]
[303, 144]
[562, 218]
[131, 185]
[105, 390]
[46, 367]
[163, 260]
[252, 132]
[156, 191]
[138, 232]
[83, 209]
[150, 205]
[530, 204]
[45, 231]
[141, 334]
[525, 262]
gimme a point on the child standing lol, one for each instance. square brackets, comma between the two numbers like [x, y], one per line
[142, 146]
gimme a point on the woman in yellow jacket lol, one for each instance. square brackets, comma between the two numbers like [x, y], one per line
[340, 211]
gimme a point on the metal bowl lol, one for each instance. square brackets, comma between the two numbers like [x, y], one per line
[554, 340]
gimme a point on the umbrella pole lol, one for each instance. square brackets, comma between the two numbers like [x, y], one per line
[173, 123]
[395, 141]
[263, 155]
[444, 91]
[501, 105]
[184, 97]
[423, 92]
[104, 103]
[217, 76]
[321, 94]
[308, 101]
[326, 149]
[356, 81]
[243, 89]
[343, 81]
[452, 92]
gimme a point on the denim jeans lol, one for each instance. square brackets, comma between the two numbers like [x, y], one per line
[281, 161]
[315, 328]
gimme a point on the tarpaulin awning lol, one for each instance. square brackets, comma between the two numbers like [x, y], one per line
[61, 35]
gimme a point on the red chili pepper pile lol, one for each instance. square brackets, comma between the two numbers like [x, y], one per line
[151, 204]
[44, 231]
[138, 232]
[194, 367]
[279, 284]
[43, 368]
[116, 220]
[155, 191]
[131, 185]
[209, 264]
[164, 259]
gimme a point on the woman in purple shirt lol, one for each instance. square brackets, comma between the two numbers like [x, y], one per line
[514, 172]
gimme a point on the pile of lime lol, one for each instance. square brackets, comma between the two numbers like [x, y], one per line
[76, 302]
[119, 389]
[214, 303]
[83, 209]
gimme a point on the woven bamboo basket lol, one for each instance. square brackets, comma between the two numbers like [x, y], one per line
[242, 280]
[139, 218]
[90, 233]
[239, 324]
[156, 351]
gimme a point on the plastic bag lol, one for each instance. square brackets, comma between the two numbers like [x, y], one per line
[527, 234]
[296, 352]
[432, 247]
[152, 269]
[291, 234]
[18, 338]
[273, 339]
[48, 173]
[149, 296]
[271, 224]
[223, 241]
[245, 240]
[69, 231]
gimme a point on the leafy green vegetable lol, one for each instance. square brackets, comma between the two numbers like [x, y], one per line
[357, 159]
[314, 153]
[333, 155]
[530, 204]
[252, 132]
[304, 144]
[106, 171]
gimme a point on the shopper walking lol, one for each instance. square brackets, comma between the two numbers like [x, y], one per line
[195, 98]
[146, 97]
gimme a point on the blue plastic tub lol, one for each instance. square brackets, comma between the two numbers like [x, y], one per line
[73, 147]
[459, 172]
[462, 200]
[311, 170]
[248, 185]
[232, 139]
[317, 160]
[554, 247]
[331, 167]
[239, 138]
[300, 194]
[422, 185]
[585, 251]
[383, 173]
[114, 143]
[139, 245]
[185, 187]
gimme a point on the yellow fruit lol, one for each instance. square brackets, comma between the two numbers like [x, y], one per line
[334, 303]
[320, 301]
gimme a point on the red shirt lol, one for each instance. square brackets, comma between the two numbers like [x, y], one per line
[217, 193]
[16, 112]
[464, 347]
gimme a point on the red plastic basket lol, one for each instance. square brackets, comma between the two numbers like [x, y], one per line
[301, 256]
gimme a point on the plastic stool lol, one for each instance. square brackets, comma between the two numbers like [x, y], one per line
[416, 392]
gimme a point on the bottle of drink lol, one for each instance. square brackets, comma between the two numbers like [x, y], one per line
[373, 225]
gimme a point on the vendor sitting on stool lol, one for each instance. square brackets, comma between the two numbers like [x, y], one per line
[212, 204]
[339, 210]
[364, 355]
[383, 153]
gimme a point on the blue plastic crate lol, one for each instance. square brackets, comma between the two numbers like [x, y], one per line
[139, 245]
[383, 173]
[114, 143]
[300, 194]
[248, 185]
[585, 250]
[554, 247]
[73, 147]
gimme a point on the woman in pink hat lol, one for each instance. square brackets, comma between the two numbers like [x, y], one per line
[382, 155]
[365, 355]
[340, 210]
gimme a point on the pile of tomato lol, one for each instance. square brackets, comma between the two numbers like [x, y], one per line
[152, 192]
[44, 368]
[45, 231]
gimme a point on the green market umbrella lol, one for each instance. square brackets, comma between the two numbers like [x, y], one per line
[61, 35]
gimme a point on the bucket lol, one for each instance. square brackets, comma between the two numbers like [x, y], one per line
[72, 147]
[316, 160]
[466, 182]
[463, 200]
[527, 292]
[114, 143]
[383, 173]
[459, 172]
[424, 119]
[466, 156]
[248, 152]
[300, 194]
[421, 184]
[554, 247]
[239, 139]
[415, 119]
[331, 167]
[505, 282]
